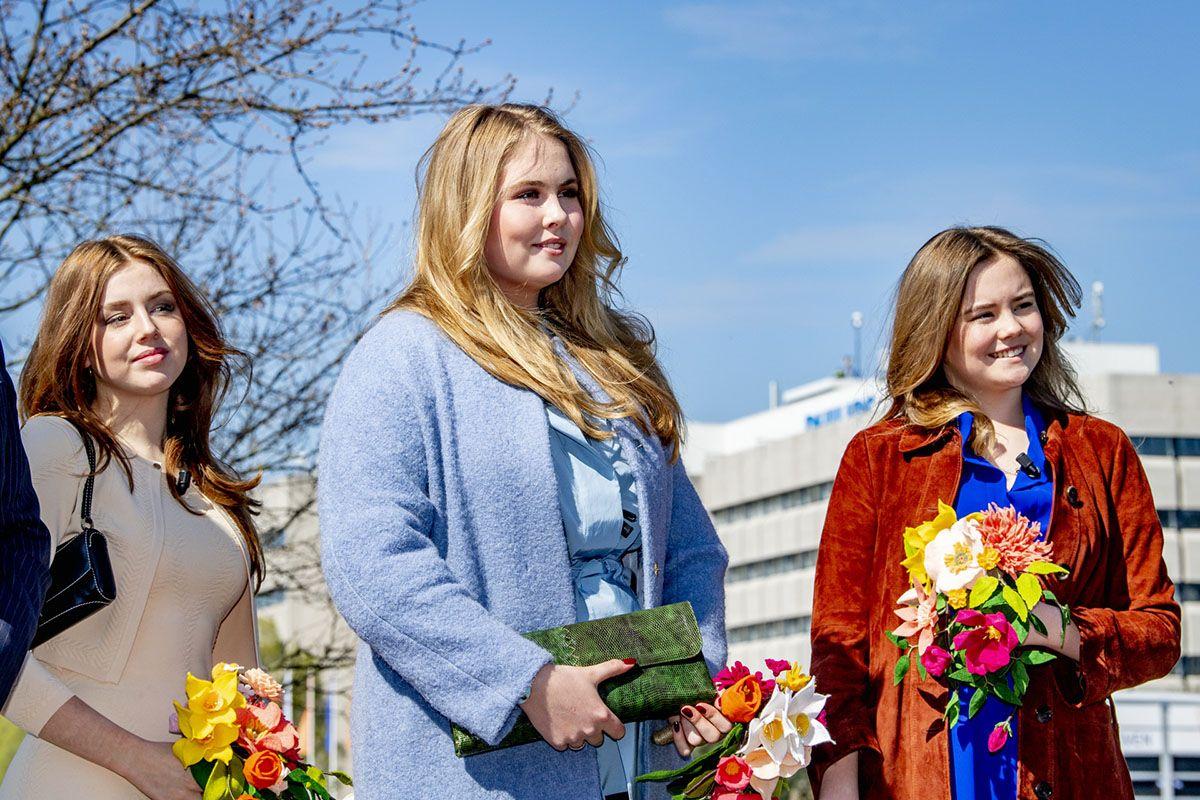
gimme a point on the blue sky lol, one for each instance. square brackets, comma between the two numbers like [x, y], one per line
[770, 167]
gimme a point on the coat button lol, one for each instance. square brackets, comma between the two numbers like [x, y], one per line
[1073, 497]
[1043, 790]
[1044, 714]
[1043, 437]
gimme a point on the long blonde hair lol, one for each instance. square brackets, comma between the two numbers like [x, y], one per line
[928, 304]
[453, 287]
[57, 382]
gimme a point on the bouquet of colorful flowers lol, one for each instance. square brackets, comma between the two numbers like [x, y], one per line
[975, 582]
[237, 743]
[776, 724]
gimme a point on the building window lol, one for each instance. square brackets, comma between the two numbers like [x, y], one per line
[1167, 446]
[769, 630]
[776, 502]
[771, 566]
[1179, 517]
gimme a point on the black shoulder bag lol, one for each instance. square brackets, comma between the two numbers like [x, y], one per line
[81, 577]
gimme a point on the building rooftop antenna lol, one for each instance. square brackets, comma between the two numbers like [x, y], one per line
[1097, 310]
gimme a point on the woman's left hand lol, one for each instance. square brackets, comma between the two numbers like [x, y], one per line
[1055, 639]
[699, 724]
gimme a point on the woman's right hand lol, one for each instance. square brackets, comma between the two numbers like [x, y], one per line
[157, 773]
[565, 706]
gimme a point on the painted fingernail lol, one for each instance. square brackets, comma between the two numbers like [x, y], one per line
[629, 660]
[703, 708]
[688, 712]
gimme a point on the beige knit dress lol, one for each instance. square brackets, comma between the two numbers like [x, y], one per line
[183, 602]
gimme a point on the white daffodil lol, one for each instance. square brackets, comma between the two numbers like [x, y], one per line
[772, 747]
[802, 711]
[952, 558]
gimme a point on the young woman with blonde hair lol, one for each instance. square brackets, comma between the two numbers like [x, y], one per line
[129, 354]
[985, 408]
[501, 454]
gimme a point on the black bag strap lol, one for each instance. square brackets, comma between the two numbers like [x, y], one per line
[85, 511]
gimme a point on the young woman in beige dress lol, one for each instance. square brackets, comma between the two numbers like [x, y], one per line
[129, 351]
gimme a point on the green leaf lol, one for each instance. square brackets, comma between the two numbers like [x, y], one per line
[342, 777]
[701, 785]
[940, 603]
[1002, 690]
[1036, 657]
[921, 670]
[1021, 628]
[1015, 602]
[696, 765]
[1020, 678]
[961, 675]
[1029, 589]
[901, 669]
[1037, 623]
[982, 591]
[977, 698]
[952, 710]
[218, 782]
[1046, 568]
[200, 771]
[899, 641]
[994, 602]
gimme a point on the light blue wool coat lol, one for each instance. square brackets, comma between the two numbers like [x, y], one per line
[442, 538]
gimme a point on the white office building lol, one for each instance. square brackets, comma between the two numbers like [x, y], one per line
[766, 479]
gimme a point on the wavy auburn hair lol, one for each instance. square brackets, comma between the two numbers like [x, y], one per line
[56, 382]
[929, 303]
[459, 187]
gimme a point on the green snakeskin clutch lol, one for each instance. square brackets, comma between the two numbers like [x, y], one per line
[670, 673]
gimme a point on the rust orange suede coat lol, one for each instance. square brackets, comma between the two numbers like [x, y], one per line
[1104, 529]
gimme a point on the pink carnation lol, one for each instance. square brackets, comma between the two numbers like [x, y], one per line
[731, 675]
[777, 665]
[1013, 537]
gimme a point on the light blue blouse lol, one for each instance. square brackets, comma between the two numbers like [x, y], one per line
[598, 497]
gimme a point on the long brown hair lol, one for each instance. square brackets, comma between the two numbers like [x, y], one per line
[57, 382]
[928, 304]
[453, 287]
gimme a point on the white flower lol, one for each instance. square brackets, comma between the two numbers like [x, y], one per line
[952, 558]
[780, 739]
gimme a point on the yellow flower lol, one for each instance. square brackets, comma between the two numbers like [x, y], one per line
[989, 558]
[915, 540]
[957, 598]
[215, 746]
[210, 703]
[793, 679]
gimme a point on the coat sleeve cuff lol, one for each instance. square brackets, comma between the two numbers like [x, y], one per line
[1089, 681]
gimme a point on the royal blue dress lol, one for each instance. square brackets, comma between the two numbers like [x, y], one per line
[974, 772]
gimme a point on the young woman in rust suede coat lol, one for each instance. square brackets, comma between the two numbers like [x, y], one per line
[979, 316]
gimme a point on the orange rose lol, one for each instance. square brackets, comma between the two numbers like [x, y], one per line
[740, 702]
[263, 769]
[245, 797]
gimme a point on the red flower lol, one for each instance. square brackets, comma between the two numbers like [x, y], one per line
[988, 642]
[935, 660]
[733, 773]
[265, 728]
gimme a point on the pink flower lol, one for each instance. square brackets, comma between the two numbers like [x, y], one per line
[999, 736]
[988, 643]
[733, 773]
[935, 660]
[731, 675]
[1013, 537]
[265, 728]
[173, 724]
[262, 684]
[777, 666]
[919, 612]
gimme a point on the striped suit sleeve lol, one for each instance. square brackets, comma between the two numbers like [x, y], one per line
[24, 543]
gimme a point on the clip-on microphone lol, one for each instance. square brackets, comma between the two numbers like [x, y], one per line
[1027, 466]
[182, 481]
